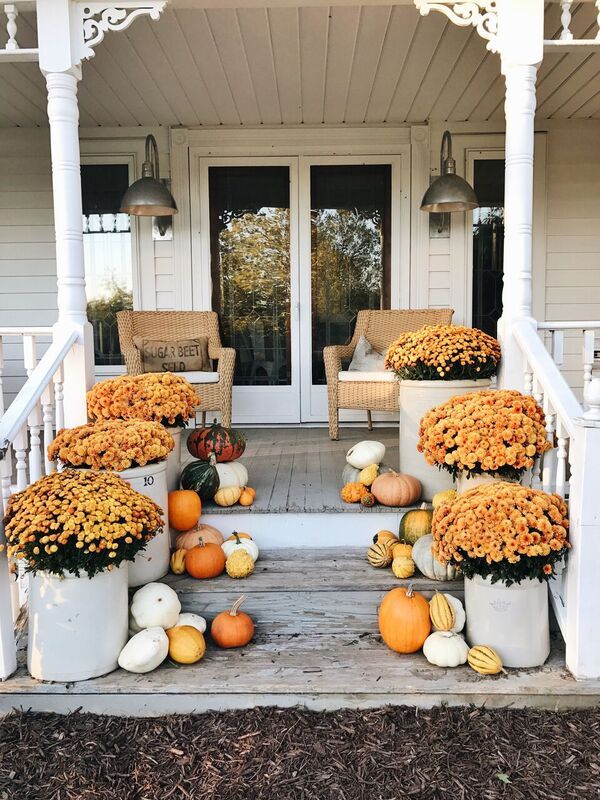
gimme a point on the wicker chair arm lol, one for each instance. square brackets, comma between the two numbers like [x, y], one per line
[133, 359]
[226, 365]
[332, 356]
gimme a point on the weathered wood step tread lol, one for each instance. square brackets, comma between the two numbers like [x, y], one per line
[340, 670]
[309, 569]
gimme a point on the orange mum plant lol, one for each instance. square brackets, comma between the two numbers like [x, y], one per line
[114, 444]
[500, 432]
[505, 530]
[154, 397]
[443, 352]
[79, 521]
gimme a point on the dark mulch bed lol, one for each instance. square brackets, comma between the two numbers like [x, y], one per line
[271, 754]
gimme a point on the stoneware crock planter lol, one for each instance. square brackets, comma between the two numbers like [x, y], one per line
[464, 481]
[174, 461]
[511, 619]
[152, 562]
[416, 398]
[77, 625]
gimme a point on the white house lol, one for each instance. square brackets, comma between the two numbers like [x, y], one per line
[297, 107]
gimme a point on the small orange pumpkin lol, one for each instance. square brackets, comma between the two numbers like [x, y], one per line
[205, 560]
[233, 628]
[191, 538]
[185, 508]
[404, 621]
[396, 489]
[247, 496]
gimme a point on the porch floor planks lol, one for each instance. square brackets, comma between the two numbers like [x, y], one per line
[299, 469]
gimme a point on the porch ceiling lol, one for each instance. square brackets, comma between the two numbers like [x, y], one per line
[331, 64]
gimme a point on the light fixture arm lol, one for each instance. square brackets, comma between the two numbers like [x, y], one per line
[151, 166]
[447, 163]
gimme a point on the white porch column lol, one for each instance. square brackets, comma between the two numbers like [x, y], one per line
[63, 115]
[521, 45]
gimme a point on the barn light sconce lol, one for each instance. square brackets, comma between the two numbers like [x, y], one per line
[149, 196]
[449, 192]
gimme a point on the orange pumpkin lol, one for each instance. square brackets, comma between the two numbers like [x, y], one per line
[233, 628]
[205, 560]
[191, 538]
[396, 489]
[247, 496]
[404, 621]
[185, 508]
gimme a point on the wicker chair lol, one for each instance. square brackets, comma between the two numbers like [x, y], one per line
[177, 325]
[380, 328]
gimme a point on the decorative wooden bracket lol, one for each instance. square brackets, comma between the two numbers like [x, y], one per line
[98, 18]
[481, 15]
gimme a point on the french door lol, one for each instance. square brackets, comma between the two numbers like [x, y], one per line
[287, 250]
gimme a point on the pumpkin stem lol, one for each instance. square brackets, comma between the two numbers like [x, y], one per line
[237, 538]
[212, 459]
[236, 606]
[201, 542]
[410, 590]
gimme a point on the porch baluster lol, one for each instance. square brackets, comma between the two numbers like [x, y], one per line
[561, 458]
[549, 458]
[565, 19]
[589, 343]
[11, 12]
[20, 445]
[48, 421]
[536, 472]
[34, 420]
[527, 377]
[59, 409]
[6, 467]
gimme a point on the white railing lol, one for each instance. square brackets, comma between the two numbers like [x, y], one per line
[569, 469]
[12, 51]
[565, 37]
[27, 426]
[588, 334]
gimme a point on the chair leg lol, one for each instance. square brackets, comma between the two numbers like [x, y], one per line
[369, 421]
[204, 419]
[334, 424]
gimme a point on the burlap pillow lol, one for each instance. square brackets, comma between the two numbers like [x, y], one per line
[187, 355]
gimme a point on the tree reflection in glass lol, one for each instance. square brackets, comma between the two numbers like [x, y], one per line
[350, 210]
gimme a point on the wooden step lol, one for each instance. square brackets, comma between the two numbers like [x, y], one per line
[305, 591]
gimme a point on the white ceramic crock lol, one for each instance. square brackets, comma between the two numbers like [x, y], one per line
[174, 461]
[511, 619]
[416, 398]
[464, 481]
[152, 562]
[77, 625]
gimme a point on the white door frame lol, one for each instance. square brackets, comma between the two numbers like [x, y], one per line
[314, 398]
[251, 404]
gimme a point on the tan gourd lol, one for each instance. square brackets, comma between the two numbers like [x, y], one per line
[485, 660]
[186, 644]
[403, 567]
[441, 612]
[178, 561]
[239, 564]
[228, 496]
[379, 555]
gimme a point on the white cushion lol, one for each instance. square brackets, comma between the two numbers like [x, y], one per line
[382, 376]
[366, 358]
[200, 377]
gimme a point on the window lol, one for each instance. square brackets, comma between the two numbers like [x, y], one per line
[488, 244]
[108, 259]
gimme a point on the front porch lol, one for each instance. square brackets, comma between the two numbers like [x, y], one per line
[312, 595]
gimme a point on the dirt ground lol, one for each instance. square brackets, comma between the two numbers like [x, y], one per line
[272, 754]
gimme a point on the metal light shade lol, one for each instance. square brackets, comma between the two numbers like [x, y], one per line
[148, 196]
[449, 192]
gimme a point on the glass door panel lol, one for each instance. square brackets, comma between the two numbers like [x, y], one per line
[488, 244]
[349, 219]
[250, 216]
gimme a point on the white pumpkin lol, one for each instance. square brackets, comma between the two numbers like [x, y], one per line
[365, 453]
[145, 651]
[445, 649]
[154, 605]
[232, 473]
[193, 620]
[459, 613]
[426, 562]
[249, 545]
